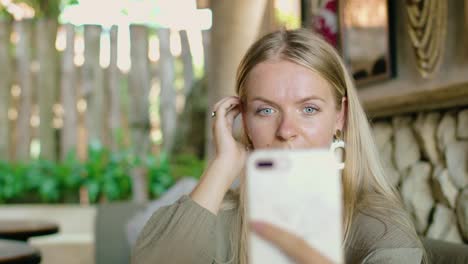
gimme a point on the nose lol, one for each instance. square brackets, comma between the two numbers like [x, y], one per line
[287, 129]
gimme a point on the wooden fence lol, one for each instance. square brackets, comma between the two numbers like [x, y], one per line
[46, 95]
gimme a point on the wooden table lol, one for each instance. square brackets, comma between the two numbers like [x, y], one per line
[16, 252]
[24, 229]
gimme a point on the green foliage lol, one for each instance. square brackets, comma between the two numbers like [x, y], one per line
[69, 2]
[46, 8]
[39, 179]
[11, 181]
[159, 174]
[184, 165]
[105, 174]
[4, 14]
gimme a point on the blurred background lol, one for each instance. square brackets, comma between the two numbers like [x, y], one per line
[105, 104]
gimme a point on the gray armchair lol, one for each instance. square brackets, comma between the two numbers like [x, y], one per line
[111, 243]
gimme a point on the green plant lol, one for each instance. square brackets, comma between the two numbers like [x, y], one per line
[105, 174]
[47, 8]
[187, 165]
[159, 174]
[12, 182]
[41, 178]
[4, 14]
[71, 172]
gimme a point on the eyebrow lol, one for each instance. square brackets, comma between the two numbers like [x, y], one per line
[313, 97]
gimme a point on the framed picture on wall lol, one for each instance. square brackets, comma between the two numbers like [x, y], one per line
[322, 17]
[360, 30]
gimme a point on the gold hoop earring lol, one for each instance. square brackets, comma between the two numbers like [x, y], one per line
[338, 143]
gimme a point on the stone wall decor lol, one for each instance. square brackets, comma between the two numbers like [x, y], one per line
[425, 156]
[427, 28]
[444, 225]
[462, 213]
[443, 189]
[417, 195]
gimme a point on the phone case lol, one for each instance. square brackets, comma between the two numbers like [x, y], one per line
[299, 191]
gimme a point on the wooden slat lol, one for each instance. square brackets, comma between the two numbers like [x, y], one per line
[187, 62]
[68, 88]
[114, 90]
[47, 87]
[167, 105]
[23, 54]
[139, 86]
[206, 40]
[93, 83]
[5, 85]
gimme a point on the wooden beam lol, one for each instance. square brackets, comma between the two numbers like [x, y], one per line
[409, 100]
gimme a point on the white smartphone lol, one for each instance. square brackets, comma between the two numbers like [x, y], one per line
[299, 191]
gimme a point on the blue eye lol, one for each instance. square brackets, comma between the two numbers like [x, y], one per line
[265, 111]
[309, 110]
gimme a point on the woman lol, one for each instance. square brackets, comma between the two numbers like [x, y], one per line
[293, 92]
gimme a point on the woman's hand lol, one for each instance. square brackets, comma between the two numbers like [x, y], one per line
[229, 160]
[293, 246]
[228, 150]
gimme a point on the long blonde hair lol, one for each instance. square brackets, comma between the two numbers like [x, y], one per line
[364, 182]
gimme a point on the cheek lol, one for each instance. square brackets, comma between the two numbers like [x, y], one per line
[261, 132]
[319, 133]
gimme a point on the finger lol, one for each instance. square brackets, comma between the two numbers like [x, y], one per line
[293, 246]
[231, 118]
[226, 105]
[223, 109]
[224, 121]
[224, 118]
[217, 108]
[233, 112]
[288, 243]
[222, 101]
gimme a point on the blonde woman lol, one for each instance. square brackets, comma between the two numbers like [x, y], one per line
[293, 92]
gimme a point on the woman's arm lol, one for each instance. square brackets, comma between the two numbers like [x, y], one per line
[179, 233]
[228, 162]
[184, 232]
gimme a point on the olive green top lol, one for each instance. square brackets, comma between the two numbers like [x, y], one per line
[185, 232]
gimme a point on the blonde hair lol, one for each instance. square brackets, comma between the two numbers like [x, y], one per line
[363, 179]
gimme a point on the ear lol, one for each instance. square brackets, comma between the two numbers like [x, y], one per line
[342, 115]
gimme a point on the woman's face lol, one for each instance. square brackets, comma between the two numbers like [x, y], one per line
[289, 106]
